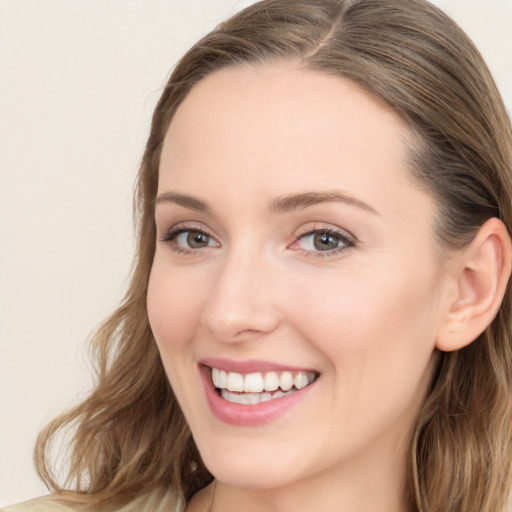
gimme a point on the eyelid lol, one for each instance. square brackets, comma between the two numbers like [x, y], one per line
[347, 239]
[171, 234]
[183, 226]
[330, 228]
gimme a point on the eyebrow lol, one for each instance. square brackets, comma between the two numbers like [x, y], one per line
[184, 200]
[292, 202]
[281, 204]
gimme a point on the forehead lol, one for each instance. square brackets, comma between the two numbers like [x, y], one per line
[284, 129]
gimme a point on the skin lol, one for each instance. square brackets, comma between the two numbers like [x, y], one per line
[366, 315]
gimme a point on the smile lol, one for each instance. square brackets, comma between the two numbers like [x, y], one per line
[253, 392]
[258, 387]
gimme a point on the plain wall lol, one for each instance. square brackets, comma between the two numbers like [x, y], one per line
[78, 82]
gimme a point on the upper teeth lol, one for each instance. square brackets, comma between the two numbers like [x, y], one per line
[259, 382]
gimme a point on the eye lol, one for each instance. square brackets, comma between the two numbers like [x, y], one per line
[328, 241]
[193, 239]
[189, 239]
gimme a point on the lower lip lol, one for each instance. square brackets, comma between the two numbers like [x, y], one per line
[248, 415]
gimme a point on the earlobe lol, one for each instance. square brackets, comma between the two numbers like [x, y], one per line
[482, 272]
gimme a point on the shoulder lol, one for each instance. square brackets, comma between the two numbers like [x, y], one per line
[43, 504]
[153, 502]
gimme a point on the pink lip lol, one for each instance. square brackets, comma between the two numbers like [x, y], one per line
[250, 366]
[248, 415]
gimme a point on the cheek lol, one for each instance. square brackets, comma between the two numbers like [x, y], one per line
[173, 305]
[378, 342]
[372, 323]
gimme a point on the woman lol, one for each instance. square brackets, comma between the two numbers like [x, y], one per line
[319, 315]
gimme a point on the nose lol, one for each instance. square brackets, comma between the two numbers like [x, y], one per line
[243, 302]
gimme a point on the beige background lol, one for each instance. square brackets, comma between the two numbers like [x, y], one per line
[78, 82]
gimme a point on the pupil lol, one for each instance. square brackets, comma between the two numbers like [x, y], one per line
[197, 240]
[324, 242]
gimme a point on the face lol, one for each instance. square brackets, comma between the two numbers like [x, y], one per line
[295, 260]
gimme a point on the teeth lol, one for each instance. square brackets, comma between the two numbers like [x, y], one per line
[215, 377]
[223, 379]
[252, 398]
[271, 381]
[261, 383]
[301, 380]
[235, 381]
[219, 378]
[286, 381]
[253, 383]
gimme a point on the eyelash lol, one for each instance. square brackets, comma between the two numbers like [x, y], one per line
[346, 241]
[176, 231]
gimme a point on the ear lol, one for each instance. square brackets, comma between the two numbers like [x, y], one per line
[481, 274]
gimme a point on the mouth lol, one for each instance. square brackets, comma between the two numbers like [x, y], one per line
[257, 387]
[251, 392]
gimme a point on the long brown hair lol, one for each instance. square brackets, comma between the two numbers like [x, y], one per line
[130, 437]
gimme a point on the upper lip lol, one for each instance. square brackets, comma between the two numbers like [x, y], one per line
[250, 366]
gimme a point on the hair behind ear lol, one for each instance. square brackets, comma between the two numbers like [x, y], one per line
[463, 436]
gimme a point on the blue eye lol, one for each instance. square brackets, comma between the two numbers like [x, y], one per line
[324, 240]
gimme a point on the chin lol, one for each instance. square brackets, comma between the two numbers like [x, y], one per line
[252, 474]
[254, 464]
